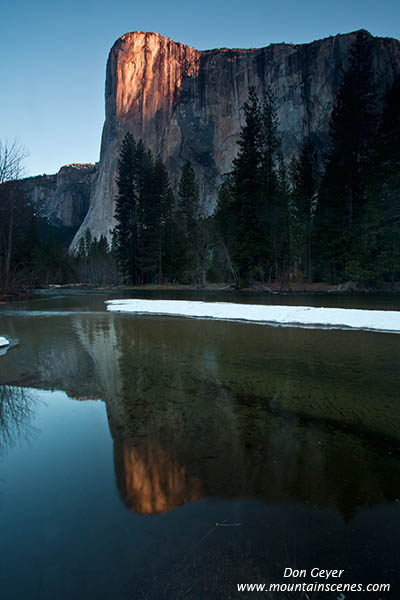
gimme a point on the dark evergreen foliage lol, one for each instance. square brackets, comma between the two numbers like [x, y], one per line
[126, 205]
[95, 261]
[194, 229]
[144, 206]
[351, 155]
[376, 258]
[253, 201]
[304, 173]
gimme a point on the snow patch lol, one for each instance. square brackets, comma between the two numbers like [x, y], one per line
[297, 316]
[4, 341]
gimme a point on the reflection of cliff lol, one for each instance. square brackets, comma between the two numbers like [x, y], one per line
[183, 428]
[98, 337]
[151, 480]
[204, 409]
[49, 356]
[261, 457]
[74, 352]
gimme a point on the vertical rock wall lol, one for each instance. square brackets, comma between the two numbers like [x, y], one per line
[63, 199]
[187, 104]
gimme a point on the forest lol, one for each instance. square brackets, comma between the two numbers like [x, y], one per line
[331, 218]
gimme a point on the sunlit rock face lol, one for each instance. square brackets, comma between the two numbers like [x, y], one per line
[186, 104]
[279, 462]
[151, 480]
[63, 198]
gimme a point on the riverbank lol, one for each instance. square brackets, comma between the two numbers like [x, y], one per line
[287, 288]
[14, 294]
[294, 287]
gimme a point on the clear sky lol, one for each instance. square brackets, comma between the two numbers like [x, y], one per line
[53, 55]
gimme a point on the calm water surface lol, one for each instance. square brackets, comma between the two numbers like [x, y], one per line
[150, 457]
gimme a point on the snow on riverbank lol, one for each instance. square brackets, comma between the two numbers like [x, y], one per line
[300, 316]
[4, 341]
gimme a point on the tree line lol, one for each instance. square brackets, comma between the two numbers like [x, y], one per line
[333, 220]
[330, 219]
[157, 237]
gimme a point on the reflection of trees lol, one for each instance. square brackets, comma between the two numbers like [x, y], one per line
[16, 413]
[196, 415]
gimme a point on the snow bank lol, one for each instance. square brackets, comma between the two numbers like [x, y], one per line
[3, 341]
[300, 316]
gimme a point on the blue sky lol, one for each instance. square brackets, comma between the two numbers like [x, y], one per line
[53, 55]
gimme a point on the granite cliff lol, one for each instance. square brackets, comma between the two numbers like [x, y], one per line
[62, 199]
[187, 104]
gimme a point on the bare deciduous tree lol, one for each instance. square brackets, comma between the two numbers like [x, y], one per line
[12, 155]
[12, 205]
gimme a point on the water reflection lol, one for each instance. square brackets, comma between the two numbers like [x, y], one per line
[192, 416]
[204, 409]
[292, 433]
[17, 410]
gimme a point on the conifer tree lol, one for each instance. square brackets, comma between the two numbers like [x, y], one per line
[143, 213]
[126, 238]
[280, 226]
[252, 204]
[189, 206]
[146, 252]
[194, 228]
[273, 210]
[247, 213]
[155, 214]
[378, 246]
[226, 223]
[344, 185]
[304, 178]
[187, 217]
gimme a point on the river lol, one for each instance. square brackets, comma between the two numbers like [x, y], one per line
[160, 457]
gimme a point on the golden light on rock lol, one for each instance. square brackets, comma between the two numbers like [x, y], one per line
[153, 481]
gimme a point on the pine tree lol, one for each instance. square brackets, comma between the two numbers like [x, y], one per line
[126, 234]
[280, 226]
[389, 147]
[146, 259]
[226, 224]
[187, 215]
[273, 211]
[249, 244]
[253, 201]
[305, 179]
[155, 214]
[189, 207]
[81, 254]
[164, 204]
[377, 259]
[144, 207]
[344, 185]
